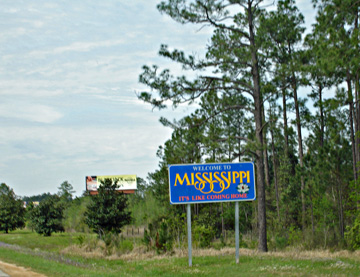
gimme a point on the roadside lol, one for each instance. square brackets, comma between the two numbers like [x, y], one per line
[16, 271]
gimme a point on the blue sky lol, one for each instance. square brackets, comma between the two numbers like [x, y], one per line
[68, 81]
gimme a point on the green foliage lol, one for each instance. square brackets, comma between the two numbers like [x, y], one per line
[107, 212]
[47, 217]
[80, 239]
[294, 236]
[36, 198]
[164, 240]
[147, 239]
[280, 242]
[159, 236]
[144, 204]
[352, 235]
[75, 214]
[12, 211]
[203, 235]
[124, 246]
[66, 191]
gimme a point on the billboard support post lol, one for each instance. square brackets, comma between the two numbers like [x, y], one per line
[188, 210]
[237, 231]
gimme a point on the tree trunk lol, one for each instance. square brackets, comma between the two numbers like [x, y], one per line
[322, 124]
[341, 211]
[259, 134]
[351, 119]
[312, 216]
[275, 170]
[286, 136]
[266, 158]
[301, 154]
[357, 106]
[275, 176]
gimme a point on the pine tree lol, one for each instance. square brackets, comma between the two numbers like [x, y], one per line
[107, 211]
[235, 58]
[47, 217]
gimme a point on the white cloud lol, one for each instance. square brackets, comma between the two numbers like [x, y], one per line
[79, 46]
[30, 88]
[29, 112]
[62, 153]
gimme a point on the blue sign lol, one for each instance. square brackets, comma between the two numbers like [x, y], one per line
[203, 183]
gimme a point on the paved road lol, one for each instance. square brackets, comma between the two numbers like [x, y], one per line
[3, 274]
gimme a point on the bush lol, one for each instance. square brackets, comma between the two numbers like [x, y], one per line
[164, 241]
[124, 246]
[352, 235]
[80, 240]
[203, 235]
[280, 242]
[74, 215]
[295, 236]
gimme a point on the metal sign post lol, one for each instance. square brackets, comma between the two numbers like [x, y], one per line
[188, 210]
[237, 231]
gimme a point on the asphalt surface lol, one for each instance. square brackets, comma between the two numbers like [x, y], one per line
[3, 274]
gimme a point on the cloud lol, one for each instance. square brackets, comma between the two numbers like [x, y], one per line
[29, 112]
[30, 88]
[79, 46]
[51, 154]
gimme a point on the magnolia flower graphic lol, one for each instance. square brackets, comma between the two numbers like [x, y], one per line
[242, 188]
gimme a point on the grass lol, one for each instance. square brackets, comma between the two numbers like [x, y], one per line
[33, 240]
[45, 256]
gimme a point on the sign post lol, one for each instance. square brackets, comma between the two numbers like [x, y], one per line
[216, 182]
[188, 210]
[237, 232]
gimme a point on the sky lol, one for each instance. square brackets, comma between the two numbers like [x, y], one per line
[68, 83]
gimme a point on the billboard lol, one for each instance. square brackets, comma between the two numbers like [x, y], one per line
[217, 182]
[126, 183]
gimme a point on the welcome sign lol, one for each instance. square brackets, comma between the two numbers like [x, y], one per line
[218, 182]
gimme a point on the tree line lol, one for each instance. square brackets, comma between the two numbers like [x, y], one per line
[104, 213]
[247, 90]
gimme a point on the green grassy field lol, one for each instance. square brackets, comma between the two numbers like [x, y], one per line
[45, 255]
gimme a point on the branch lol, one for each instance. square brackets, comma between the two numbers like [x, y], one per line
[235, 137]
[249, 90]
[237, 107]
[221, 26]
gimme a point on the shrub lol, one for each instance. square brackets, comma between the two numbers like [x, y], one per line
[352, 235]
[295, 236]
[124, 246]
[203, 235]
[280, 242]
[164, 241]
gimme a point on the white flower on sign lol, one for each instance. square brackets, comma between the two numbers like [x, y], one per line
[242, 188]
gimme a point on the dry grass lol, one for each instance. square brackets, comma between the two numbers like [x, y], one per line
[140, 253]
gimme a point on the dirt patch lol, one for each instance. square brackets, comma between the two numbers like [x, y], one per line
[18, 271]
